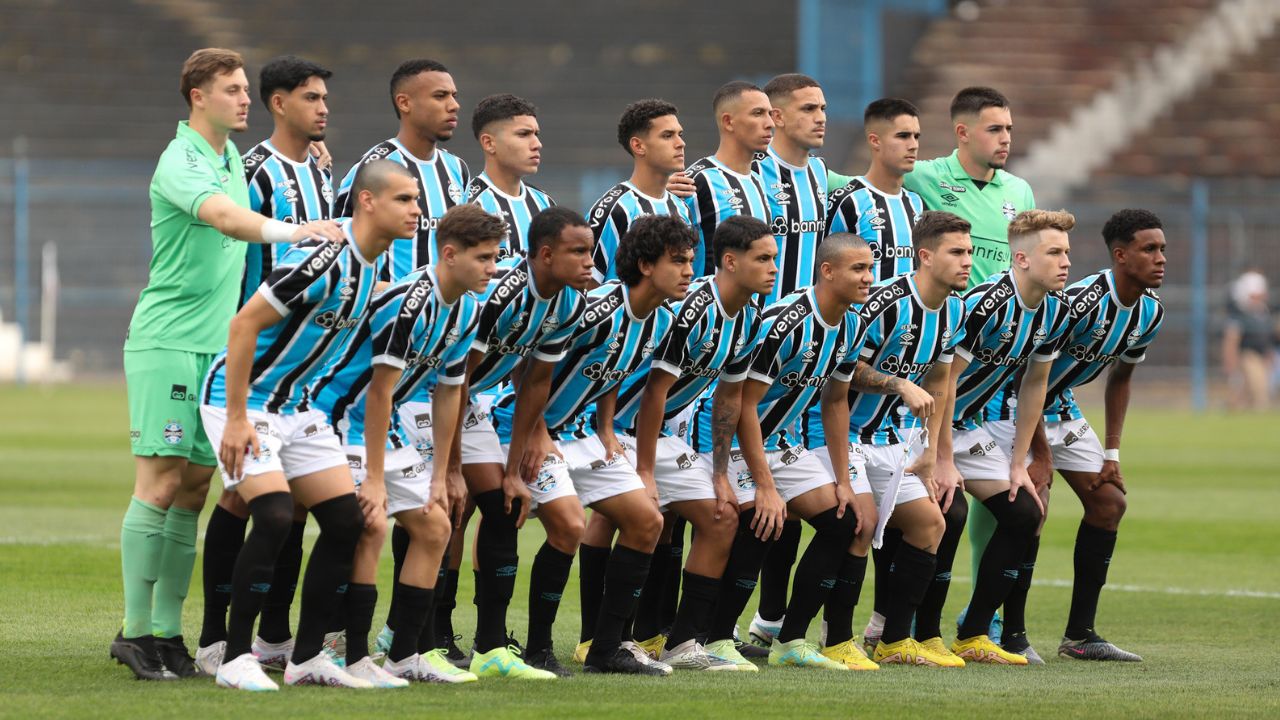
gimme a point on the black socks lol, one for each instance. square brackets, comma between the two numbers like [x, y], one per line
[1094, 547]
[328, 570]
[496, 550]
[272, 515]
[547, 581]
[929, 614]
[739, 580]
[223, 539]
[910, 572]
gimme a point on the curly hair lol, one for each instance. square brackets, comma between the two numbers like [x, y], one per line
[1122, 226]
[647, 240]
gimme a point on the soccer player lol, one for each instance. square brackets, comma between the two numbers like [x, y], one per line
[716, 325]
[1115, 315]
[425, 101]
[286, 183]
[527, 318]
[651, 134]
[576, 451]
[274, 447]
[199, 208]
[419, 333]
[725, 183]
[809, 344]
[1013, 323]
[506, 127]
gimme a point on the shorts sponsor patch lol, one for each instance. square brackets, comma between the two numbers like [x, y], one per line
[422, 421]
[686, 460]
[179, 393]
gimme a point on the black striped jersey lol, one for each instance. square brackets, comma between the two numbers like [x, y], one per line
[283, 190]
[321, 290]
[610, 343]
[516, 322]
[1101, 331]
[516, 210]
[795, 355]
[614, 212]
[703, 341]
[797, 199]
[442, 183]
[904, 339]
[410, 327]
[1000, 336]
[720, 193]
[884, 221]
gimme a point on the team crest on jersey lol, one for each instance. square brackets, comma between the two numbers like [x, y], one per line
[745, 481]
[1008, 210]
[453, 336]
[455, 192]
[1133, 338]
[1040, 336]
[173, 432]
[326, 191]
[550, 325]
[546, 480]
[647, 350]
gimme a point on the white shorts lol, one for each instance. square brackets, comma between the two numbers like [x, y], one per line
[407, 477]
[980, 456]
[884, 463]
[680, 472]
[553, 481]
[857, 467]
[1073, 443]
[480, 442]
[596, 477]
[795, 472]
[296, 444]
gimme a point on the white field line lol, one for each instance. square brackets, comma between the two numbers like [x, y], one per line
[1168, 590]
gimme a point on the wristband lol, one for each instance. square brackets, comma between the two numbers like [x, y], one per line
[276, 231]
[1111, 454]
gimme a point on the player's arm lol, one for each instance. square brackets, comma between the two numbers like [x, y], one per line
[726, 410]
[771, 511]
[938, 384]
[1028, 413]
[239, 437]
[834, 406]
[1116, 400]
[241, 223]
[524, 459]
[446, 399]
[377, 426]
[606, 409]
[1041, 468]
[653, 404]
[868, 380]
[945, 473]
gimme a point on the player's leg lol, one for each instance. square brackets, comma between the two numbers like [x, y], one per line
[928, 626]
[647, 626]
[775, 578]
[674, 566]
[708, 555]
[177, 560]
[223, 538]
[911, 568]
[274, 642]
[837, 624]
[593, 558]
[447, 590]
[742, 570]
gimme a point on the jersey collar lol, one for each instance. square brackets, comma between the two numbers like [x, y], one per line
[351, 242]
[513, 198]
[778, 158]
[659, 200]
[958, 172]
[185, 132]
[428, 161]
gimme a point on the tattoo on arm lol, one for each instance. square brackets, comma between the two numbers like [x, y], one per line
[724, 423]
[868, 380]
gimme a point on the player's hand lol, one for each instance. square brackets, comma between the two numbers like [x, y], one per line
[438, 495]
[947, 482]
[613, 449]
[238, 440]
[327, 229]
[844, 502]
[320, 152]
[725, 496]
[1019, 480]
[536, 451]
[681, 185]
[650, 487]
[925, 469]
[1041, 472]
[1110, 474]
[457, 506]
[513, 489]
[771, 513]
[372, 496]
[916, 398]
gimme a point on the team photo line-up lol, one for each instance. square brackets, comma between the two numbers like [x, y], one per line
[739, 344]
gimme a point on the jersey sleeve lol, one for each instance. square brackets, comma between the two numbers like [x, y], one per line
[857, 333]
[842, 213]
[185, 178]
[1137, 352]
[490, 311]
[953, 331]
[977, 327]
[393, 331]
[673, 349]
[303, 277]
[772, 353]
[609, 232]
[1058, 326]
[342, 202]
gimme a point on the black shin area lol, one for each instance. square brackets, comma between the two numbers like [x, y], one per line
[496, 548]
[929, 614]
[272, 514]
[1016, 524]
[816, 571]
[341, 523]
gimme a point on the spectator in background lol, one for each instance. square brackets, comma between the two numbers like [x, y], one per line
[1248, 343]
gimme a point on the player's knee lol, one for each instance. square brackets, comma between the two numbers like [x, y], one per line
[1022, 516]
[565, 530]
[375, 530]
[339, 518]
[832, 529]
[928, 531]
[1105, 507]
[720, 530]
[645, 524]
[272, 515]
[958, 514]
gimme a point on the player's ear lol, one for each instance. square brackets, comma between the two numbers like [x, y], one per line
[637, 146]
[962, 131]
[277, 103]
[776, 114]
[487, 143]
[402, 103]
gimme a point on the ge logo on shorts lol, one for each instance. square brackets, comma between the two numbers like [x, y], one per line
[173, 433]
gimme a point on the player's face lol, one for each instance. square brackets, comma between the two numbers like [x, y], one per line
[517, 145]
[756, 268]
[394, 209]
[750, 120]
[1143, 258]
[951, 263]
[224, 101]
[898, 142]
[1048, 262]
[989, 135]
[570, 256]
[430, 104]
[662, 147]
[672, 273]
[803, 118]
[305, 109]
[851, 273]
[475, 266]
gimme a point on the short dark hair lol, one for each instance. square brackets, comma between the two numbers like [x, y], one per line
[286, 73]
[837, 243]
[783, 85]
[467, 225]
[638, 117]
[408, 69]
[973, 100]
[372, 176]
[546, 226]
[647, 240]
[737, 233]
[204, 65]
[932, 225]
[1122, 226]
[731, 91]
[497, 108]
[888, 109]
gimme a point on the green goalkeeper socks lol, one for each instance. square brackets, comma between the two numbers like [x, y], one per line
[177, 560]
[982, 525]
[141, 543]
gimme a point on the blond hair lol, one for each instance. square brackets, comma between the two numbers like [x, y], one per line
[1027, 224]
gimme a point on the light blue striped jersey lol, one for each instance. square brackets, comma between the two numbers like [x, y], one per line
[1000, 336]
[610, 343]
[515, 210]
[884, 221]
[409, 327]
[614, 212]
[442, 183]
[720, 193]
[516, 322]
[797, 199]
[702, 342]
[283, 190]
[321, 290]
[1101, 331]
[796, 354]
[904, 339]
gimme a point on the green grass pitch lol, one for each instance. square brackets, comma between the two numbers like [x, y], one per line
[1195, 588]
